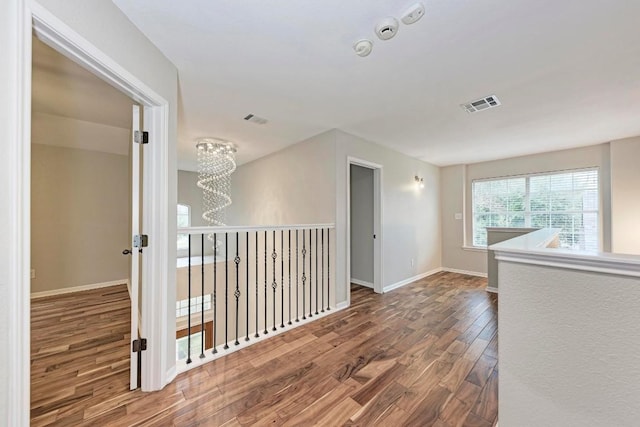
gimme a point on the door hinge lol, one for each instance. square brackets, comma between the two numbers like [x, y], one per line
[140, 241]
[141, 137]
[139, 345]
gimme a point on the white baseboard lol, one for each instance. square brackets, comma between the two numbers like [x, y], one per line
[342, 305]
[467, 272]
[171, 375]
[492, 289]
[362, 283]
[181, 365]
[410, 280]
[79, 288]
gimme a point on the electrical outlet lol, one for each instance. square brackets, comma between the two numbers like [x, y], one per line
[33, 273]
[458, 216]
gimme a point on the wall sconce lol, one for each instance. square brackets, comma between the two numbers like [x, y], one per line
[419, 181]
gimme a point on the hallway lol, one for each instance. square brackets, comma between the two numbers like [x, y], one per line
[421, 355]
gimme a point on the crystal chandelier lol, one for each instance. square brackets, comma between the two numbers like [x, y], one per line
[216, 163]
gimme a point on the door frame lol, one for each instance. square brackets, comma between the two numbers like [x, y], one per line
[55, 33]
[377, 224]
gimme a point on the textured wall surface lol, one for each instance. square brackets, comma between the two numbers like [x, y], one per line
[569, 348]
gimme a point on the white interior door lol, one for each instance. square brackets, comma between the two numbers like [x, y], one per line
[136, 153]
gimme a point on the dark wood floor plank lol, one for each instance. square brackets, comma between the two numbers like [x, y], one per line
[422, 355]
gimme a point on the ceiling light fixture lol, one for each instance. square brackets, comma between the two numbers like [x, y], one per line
[216, 163]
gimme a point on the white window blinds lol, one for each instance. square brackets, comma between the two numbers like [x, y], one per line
[567, 200]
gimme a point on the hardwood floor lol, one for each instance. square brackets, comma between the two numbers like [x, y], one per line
[79, 352]
[422, 355]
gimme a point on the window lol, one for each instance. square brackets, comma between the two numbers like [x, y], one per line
[182, 345]
[184, 220]
[182, 307]
[568, 201]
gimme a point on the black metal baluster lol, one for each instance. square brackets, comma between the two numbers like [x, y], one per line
[215, 290]
[304, 277]
[322, 270]
[274, 284]
[282, 278]
[202, 297]
[236, 293]
[297, 281]
[289, 248]
[310, 272]
[265, 283]
[317, 271]
[246, 263]
[328, 270]
[189, 307]
[226, 291]
[256, 313]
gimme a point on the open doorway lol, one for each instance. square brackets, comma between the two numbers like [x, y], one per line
[81, 220]
[364, 217]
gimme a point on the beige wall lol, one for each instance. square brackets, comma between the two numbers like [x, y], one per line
[292, 186]
[49, 129]
[80, 217]
[307, 183]
[456, 197]
[625, 195]
[410, 216]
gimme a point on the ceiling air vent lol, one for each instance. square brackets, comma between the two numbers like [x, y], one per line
[481, 104]
[255, 119]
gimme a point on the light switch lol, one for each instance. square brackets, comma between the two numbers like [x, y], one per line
[458, 216]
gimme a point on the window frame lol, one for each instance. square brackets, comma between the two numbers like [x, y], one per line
[182, 251]
[527, 213]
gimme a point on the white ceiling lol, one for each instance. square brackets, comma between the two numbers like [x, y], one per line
[567, 73]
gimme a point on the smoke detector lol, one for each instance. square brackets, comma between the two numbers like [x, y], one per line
[363, 47]
[413, 14]
[481, 104]
[387, 28]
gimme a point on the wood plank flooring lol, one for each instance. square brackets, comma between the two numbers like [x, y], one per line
[422, 355]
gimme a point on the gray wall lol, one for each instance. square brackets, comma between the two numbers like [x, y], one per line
[80, 217]
[456, 197]
[361, 187]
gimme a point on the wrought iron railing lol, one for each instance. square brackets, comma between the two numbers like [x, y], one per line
[224, 300]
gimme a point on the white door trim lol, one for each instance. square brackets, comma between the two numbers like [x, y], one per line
[32, 16]
[377, 223]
